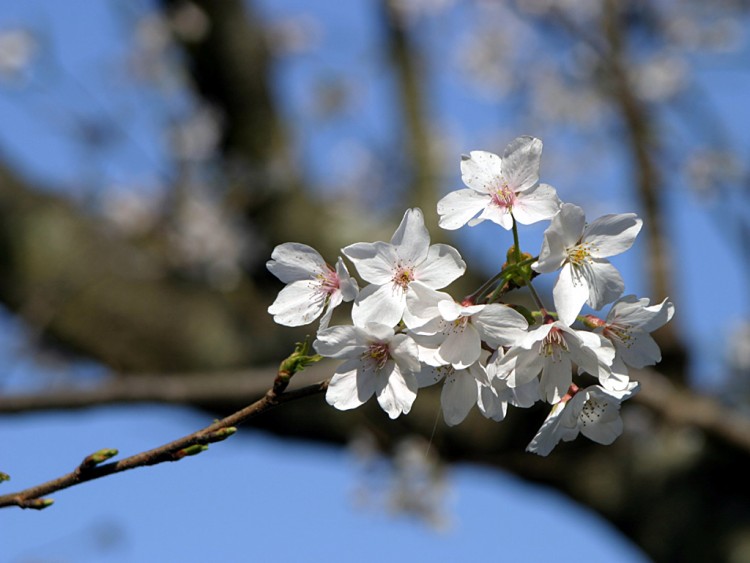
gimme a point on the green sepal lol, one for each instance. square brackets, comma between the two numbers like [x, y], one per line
[298, 360]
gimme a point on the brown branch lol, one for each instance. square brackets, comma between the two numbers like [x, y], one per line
[674, 403]
[201, 388]
[408, 69]
[191, 444]
[682, 407]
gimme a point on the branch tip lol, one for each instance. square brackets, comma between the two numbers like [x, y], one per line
[37, 503]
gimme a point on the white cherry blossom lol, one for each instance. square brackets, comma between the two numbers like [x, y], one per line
[313, 286]
[581, 251]
[551, 349]
[500, 189]
[378, 362]
[391, 268]
[453, 333]
[593, 412]
[628, 324]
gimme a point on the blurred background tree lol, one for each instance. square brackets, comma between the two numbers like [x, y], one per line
[141, 195]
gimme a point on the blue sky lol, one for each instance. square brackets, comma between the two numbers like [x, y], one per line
[253, 494]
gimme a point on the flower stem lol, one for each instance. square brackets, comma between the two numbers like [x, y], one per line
[537, 299]
[516, 244]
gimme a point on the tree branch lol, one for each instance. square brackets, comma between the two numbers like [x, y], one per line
[191, 444]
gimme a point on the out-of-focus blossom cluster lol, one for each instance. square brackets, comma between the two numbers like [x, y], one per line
[407, 333]
[17, 50]
[411, 482]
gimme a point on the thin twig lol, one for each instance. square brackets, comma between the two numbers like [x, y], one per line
[191, 444]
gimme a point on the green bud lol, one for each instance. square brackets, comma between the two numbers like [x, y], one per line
[518, 273]
[298, 360]
[190, 450]
[222, 434]
[4, 477]
[99, 457]
[38, 503]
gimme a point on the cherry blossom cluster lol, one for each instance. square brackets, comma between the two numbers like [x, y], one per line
[407, 334]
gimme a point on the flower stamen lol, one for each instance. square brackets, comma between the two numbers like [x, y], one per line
[553, 344]
[504, 197]
[403, 277]
[379, 353]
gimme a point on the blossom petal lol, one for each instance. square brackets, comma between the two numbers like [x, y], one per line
[429, 349]
[634, 312]
[457, 208]
[552, 255]
[593, 353]
[548, 435]
[612, 234]
[293, 261]
[569, 223]
[375, 261]
[536, 334]
[299, 303]
[605, 283]
[347, 284]
[618, 378]
[497, 214]
[570, 292]
[521, 161]
[641, 350]
[459, 394]
[526, 395]
[395, 391]
[338, 342]
[430, 375]
[411, 239]
[481, 171]
[442, 266]
[450, 310]
[405, 353]
[536, 204]
[351, 386]
[526, 365]
[499, 325]
[603, 432]
[461, 348]
[556, 378]
[490, 405]
[383, 304]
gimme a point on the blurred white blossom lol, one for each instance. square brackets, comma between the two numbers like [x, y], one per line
[17, 50]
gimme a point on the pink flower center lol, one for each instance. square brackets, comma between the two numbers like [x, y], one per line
[403, 277]
[617, 332]
[329, 281]
[378, 353]
[504, 197]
